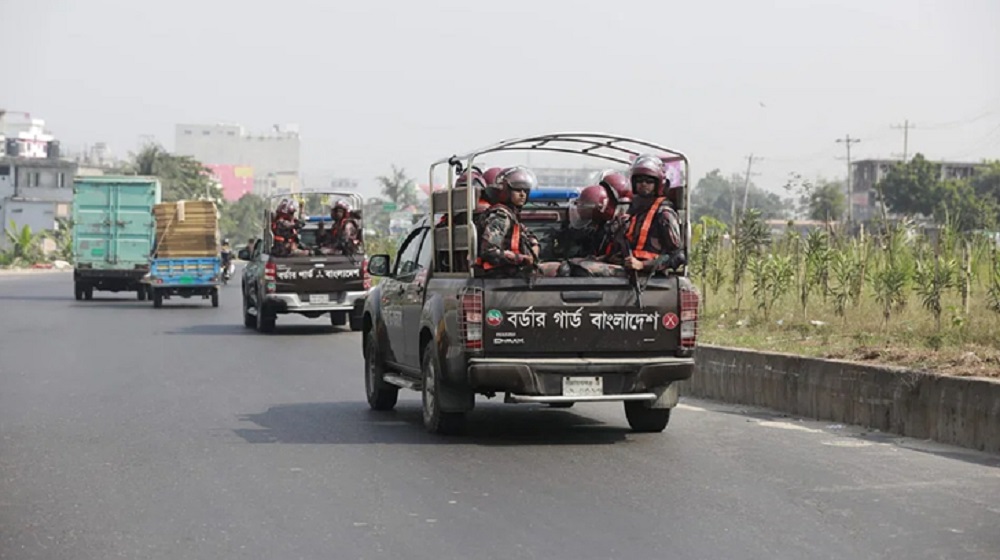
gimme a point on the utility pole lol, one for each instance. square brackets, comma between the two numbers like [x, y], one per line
[906, 126]
[850, 191]
[746, 183]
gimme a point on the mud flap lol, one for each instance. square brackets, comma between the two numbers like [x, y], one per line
[454, 399]
[666, 397]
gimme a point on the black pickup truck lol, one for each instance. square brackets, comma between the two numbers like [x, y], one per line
[431, 325]
[309, 285]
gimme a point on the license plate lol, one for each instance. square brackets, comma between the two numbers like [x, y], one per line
[319, 298]
[583, 386]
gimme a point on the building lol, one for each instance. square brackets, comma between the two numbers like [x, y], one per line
[866, 174]
[269, 162]
[36, 185]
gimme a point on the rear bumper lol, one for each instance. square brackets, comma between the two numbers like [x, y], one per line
[109, 274]
[292, 303]
[111, 280]
[543, 377]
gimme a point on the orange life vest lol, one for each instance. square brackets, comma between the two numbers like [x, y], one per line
[638, 240]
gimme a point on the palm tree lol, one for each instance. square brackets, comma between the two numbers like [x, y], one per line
[24, 241]
[399, 188]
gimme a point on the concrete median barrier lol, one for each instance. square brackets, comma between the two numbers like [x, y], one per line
[963, 411]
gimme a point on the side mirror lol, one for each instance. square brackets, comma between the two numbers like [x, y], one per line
[378, 265]
[243, 255]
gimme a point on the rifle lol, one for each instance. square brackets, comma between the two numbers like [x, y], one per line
[633, 275]
[348, 250]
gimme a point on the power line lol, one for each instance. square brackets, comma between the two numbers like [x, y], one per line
[847, 140]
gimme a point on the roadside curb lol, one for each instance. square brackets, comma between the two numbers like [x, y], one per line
[31, 271]
[963, 411]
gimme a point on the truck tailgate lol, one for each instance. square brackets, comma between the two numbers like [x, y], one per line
[185, 271]
[593, 316]
[318, 274]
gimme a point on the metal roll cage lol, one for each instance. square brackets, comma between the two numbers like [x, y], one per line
[609, 147]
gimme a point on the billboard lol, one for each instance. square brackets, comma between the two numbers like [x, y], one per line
[236, 180]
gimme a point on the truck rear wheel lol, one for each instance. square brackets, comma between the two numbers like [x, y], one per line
[265, 322]
[78, 291]
[88, 293]
[338, 318]
[249, 321]
[381, 395]
[157, 298]
[140, 293]
[436, 421]
[215, 297]
[642, 418]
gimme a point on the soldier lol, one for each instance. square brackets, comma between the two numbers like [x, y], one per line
[620, 190]
[285, 229]
[653, 233]
[343, 237]
[507, 246]
[589, 214]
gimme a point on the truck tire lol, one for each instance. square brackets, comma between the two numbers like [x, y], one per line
[249, 321]
[88, 293]
[157, 298]
[642, 418]
[78, 291]
[437, 421]
[215, 297]
[265, 322]
[140, 294]
[338, 318]
[381, 395]
[357, 323]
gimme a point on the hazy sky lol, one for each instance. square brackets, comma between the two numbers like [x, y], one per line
[373, 83]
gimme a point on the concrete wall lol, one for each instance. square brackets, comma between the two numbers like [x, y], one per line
[955, 410]
[37, 214]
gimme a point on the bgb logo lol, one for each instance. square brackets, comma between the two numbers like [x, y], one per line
[494, 317]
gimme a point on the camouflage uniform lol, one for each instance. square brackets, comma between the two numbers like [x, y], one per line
[341, 239]
[286, 237]
[589, 252]
[496, 257]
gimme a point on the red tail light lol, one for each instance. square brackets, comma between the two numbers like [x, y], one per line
[364, 274]
[270, 277]
[471, 319]
[689, 317]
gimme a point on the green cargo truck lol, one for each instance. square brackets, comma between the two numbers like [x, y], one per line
[113, 233]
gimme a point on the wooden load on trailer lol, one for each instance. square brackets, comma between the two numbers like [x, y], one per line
[187, 228]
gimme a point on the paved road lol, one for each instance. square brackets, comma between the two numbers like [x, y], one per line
[129, 432]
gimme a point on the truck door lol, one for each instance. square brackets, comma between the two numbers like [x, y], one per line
[413, 298]
[394, 295]
[133, 226]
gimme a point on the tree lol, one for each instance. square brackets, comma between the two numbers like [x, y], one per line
[62, 236]
[243, 219]
[912, 187]
[400, 189]
[826, 201]
[916, 188]
[713, 197]
[183, 177]
[986, 181]
[24, 242]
